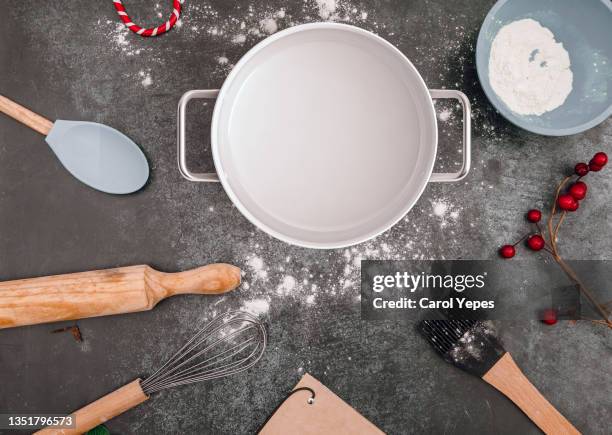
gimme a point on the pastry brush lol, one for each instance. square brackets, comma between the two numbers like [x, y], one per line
[472, 346]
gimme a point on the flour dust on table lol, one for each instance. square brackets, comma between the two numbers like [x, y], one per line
[259, 306]
[271, 281]
[528, 69]
[242, 27]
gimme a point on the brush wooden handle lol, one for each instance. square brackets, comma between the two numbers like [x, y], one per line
[508, 378]
[105, 292]
[102, 410]
[25, 116]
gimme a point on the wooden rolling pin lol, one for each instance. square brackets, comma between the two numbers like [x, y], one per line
[105, 292]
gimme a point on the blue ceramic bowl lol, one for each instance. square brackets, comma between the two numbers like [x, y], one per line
[585, 29]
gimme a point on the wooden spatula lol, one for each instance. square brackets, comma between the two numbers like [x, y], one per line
[105, 292]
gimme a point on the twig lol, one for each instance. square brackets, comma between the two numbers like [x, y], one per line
[570, 272]
[552, 235]
[556, 233]
[601, 322]
[74, 330]
[553, 242]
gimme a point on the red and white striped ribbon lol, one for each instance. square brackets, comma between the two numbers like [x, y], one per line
[153, 31]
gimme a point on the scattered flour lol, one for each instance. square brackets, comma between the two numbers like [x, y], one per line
[256, 306]
[442, 210]
[470, 346]
[145, 78]
[528, 69]
[147, 81]
[270, 276]
[287, 285]
[327, 8]
[257, 267]
[204, 19]
[269, 25]
[439, 208]
[222, 60]
[239, 38]
[120, 35]
[445, 115]
[85, 346]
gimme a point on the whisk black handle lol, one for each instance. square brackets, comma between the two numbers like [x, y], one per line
[103, 409]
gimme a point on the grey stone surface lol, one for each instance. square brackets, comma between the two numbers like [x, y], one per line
[72, 60]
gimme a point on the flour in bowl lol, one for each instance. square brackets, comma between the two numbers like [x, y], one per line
[528, 69]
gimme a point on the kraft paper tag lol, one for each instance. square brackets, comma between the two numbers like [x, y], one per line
[327, 415]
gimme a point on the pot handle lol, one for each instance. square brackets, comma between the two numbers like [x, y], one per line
[435, 94]
[180, 133]
[467, 135]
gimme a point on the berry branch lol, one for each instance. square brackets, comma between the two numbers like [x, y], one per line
[566, 201]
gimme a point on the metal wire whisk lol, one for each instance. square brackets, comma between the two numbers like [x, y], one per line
[231, 343]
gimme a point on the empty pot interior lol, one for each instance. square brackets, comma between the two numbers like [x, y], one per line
[324, 136]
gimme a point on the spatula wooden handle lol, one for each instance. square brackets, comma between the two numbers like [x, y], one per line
[508, 378]
[102, 410]
[25, 116]
[105, 292]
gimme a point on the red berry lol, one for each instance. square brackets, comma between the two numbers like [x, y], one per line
[507, 251]
[534, 215]
[549, 316]
[536, 242]
[600, 159]
[578, 190]
[567, 202]
[581, 169]
[594, 168]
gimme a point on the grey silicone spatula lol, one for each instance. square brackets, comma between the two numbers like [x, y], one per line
[96, 154]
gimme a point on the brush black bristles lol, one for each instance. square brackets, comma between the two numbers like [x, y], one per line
[467, 344]
[443, 334]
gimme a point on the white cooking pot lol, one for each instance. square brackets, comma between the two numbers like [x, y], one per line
[324, 135]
